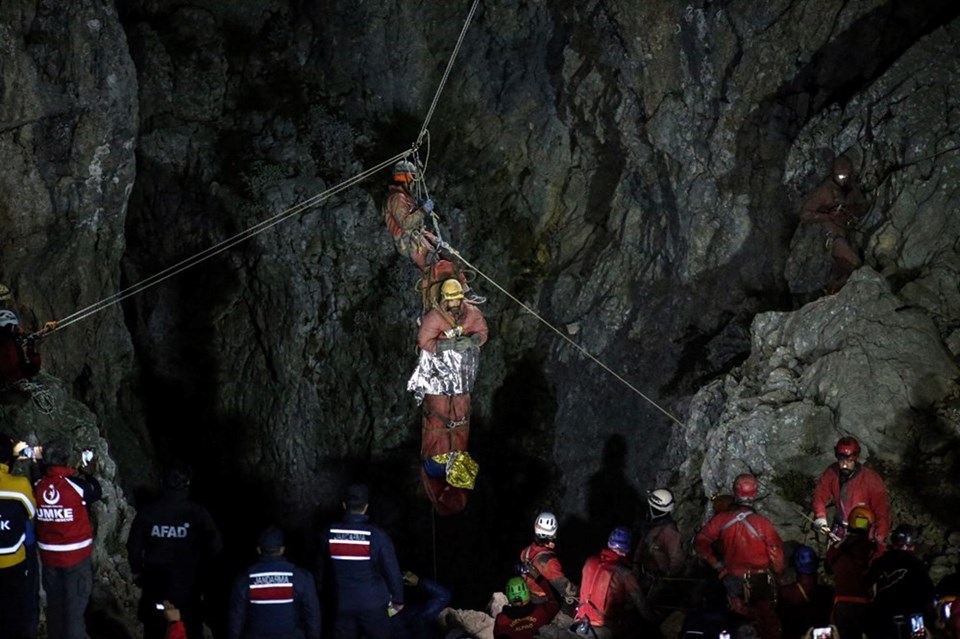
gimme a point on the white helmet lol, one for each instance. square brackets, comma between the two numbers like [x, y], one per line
[661, 499]
[8, 318]
[546, 525]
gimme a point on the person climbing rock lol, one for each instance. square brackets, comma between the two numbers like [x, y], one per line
[837, 205]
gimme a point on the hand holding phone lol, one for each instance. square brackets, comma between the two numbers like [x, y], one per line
[825, 632]
[917, 630]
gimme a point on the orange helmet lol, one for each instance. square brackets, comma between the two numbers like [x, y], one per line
[405, 171]
[861, 518]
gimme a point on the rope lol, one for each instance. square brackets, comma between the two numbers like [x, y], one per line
[619, 378]
[216, 249]
[260, 227]
[446, 72]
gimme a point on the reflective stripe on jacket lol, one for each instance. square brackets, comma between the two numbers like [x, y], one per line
[64, 531]
[17, 508]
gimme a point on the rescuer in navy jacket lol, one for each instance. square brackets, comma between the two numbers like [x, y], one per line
[274, 599]
[365, 571]
[169, 542]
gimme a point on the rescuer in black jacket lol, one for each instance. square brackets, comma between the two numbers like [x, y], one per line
[274, 599]
[170, 539]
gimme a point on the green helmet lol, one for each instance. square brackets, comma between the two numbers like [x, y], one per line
[517, 591]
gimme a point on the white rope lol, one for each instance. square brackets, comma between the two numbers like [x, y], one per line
[228, 243]
[260, 227]
[556, 330]
[446, 72]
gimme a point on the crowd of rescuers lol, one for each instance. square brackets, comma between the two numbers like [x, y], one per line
[870, 581]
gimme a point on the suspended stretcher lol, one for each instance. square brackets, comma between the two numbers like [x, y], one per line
[442, 383]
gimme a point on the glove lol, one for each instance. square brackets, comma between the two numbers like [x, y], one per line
[427, 205]
[460, 344]
[86, 457]
[446, 345]
[820, 523]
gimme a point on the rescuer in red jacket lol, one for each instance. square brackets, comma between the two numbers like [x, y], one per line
[848, 562]
[522, 618]
[19, 357]
[750, 557]
[452, 325]
[847, 484]
[612, 604]
[404, 216]
[542, 556]
[837, 205]
[65, 540]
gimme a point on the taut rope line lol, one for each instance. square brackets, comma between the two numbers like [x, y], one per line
[556, 330]
[258, 228]
[446, 73]
[222, 246]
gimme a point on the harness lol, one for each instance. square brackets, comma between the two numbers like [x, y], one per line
[742, 518]
[607, 571]
[751, 581]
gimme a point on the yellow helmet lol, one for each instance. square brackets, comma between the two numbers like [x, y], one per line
[451, 290]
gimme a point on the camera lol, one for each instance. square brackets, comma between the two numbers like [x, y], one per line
[823, 633]
[25, 451]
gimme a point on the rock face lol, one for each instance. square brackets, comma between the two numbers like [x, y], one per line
[629, 172]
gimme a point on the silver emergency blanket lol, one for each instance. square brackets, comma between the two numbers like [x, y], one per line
[444, 373]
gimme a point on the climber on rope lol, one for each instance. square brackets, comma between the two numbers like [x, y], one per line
[19, 354]
[405, 217]
[837, 205]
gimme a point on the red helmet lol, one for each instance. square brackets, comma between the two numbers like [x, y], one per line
[847, 447]
[745, 486]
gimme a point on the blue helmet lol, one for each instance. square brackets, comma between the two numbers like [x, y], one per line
[903, 535]
[805, 560]
[621, 539]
